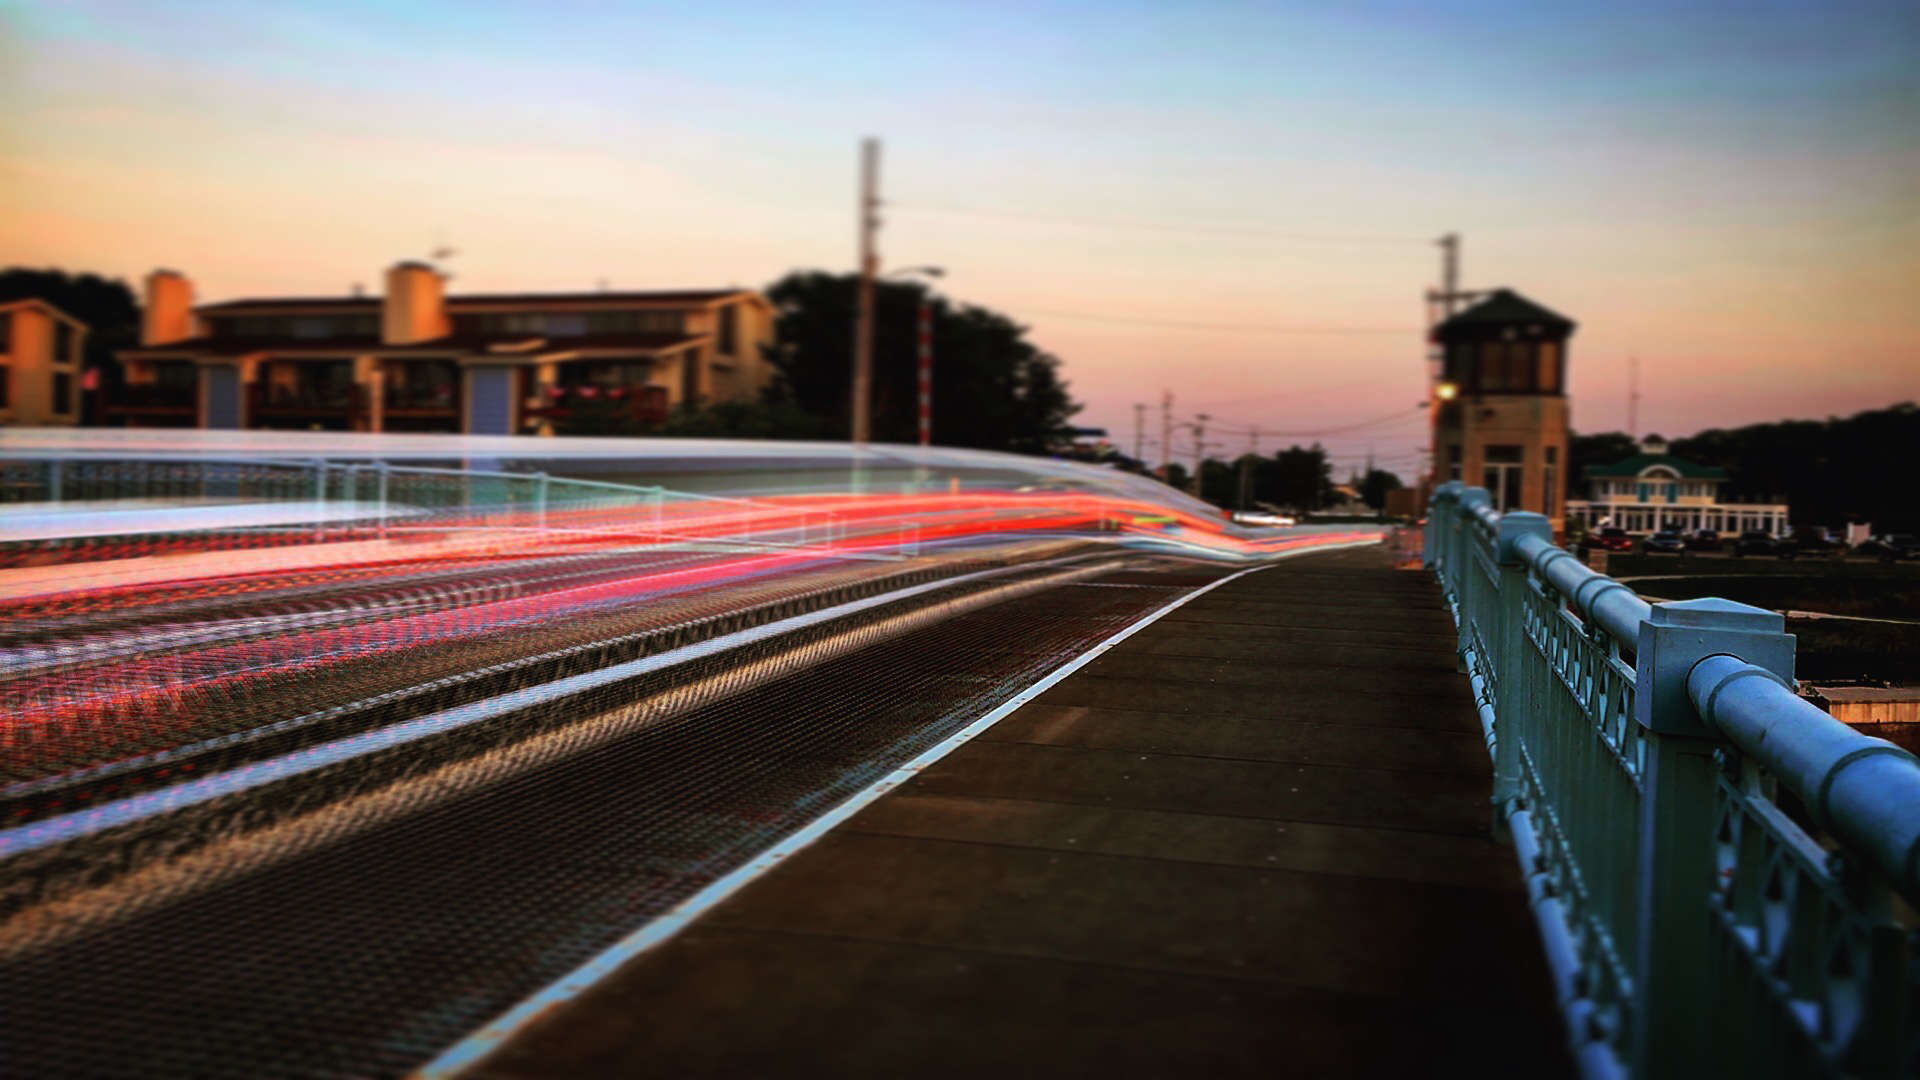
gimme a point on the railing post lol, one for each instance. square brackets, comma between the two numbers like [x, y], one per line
[540, 500]
[1674, 876]
[1459, 571]
[1514, 684]
[53, 480]
[319, 499]
[382, 467]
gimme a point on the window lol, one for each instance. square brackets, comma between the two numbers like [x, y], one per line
[1453, 462]
[6, 333]
[297, 327]
[62, 394]
[6, 386]
[1504, 467]
[690, 377]
[1520, 365]
[1549, 489]
[1493, 366]
[729, 328]
[1549, 368]
[62, 343]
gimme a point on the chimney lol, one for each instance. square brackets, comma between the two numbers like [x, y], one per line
[168, 314]
[414, 309]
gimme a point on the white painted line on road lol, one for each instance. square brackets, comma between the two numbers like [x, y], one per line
[484, 1041]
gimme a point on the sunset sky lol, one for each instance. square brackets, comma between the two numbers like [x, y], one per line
[1730, 189]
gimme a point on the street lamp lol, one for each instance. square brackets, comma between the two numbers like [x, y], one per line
[923, 334]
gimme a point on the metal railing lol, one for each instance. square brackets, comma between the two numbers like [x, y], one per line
[1721, 873]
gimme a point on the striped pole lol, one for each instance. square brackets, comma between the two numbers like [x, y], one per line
[926, 370]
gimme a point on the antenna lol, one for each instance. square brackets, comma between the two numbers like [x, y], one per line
[442, 252]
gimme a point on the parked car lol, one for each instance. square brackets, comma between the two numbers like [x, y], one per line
[1664, 542]
[1755, 542]
[1891, 546]
[1814, 540]
[1608, 539]
[1704, 540]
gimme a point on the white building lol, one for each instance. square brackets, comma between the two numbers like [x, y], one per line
[1655, 490]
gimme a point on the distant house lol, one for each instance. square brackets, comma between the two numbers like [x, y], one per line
[40, 364]
[1654, 490]
[417, 359]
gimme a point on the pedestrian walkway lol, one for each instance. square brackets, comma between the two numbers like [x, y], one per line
[1250, 840]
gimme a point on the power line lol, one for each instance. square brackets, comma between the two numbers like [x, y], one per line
[1398, 414]
[1160, 226]
[1235, 328]
[1364, 383]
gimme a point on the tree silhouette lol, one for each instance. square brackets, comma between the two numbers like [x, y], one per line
[992, 388]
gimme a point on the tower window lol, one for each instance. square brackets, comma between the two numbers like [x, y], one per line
[1504, 468]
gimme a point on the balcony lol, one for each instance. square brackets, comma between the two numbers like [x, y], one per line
[585, 407]
[168, 404]
[331, 407]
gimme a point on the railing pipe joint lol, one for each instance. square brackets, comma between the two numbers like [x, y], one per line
[1512, 528]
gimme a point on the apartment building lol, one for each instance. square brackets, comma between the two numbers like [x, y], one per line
[40, 364]
[420, 359]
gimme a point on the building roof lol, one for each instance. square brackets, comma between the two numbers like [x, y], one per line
[1640, 463]
[1504, 307]
[504, 345]
[370, 305]
[670, 296]
[338, 305]
[47, 306]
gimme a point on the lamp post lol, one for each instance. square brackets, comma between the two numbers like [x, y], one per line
[923, 339]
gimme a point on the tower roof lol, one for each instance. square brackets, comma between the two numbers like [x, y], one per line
[1504, 307]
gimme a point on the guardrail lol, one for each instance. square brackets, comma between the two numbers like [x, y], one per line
[1721, 873]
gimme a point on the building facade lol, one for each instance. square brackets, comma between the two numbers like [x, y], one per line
[1654, 490]
[41, 348]
[1499, 410]
[418, 359]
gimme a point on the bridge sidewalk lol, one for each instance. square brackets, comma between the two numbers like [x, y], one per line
[1250, 840]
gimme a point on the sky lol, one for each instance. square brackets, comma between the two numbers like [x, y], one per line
[1234, 203]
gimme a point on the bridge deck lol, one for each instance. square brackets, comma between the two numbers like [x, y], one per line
[1249, 840]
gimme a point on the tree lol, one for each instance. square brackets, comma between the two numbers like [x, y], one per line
[1296, 478]
[1588, 450]
[1828, 471]
[991, 387]
[770, 419]
[1375, 485]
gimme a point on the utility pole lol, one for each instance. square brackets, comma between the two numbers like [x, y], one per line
[1166, 434]
[1246, 466]
[1199, 449]
[869, 212]
[1440, 307]
[1139, 423]
[924, 327]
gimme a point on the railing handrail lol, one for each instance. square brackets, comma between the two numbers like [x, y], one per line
[1648, 760]
[1863, 790]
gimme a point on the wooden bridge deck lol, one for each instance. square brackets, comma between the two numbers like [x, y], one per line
[1250, 840]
